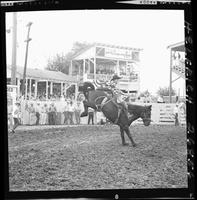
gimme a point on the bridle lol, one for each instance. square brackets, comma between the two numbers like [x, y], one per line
[144, 117]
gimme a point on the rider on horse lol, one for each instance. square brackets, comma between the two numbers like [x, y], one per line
[112, 86]
[117, 93]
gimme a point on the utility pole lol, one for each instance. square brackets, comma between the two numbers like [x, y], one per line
[26, 54]
[14, 43]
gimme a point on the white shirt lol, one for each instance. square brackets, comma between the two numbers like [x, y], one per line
[38, 108]
[15, 111]
[71, 108]
[90, 109]
[62, 99]
[78, 107]
[160, 99]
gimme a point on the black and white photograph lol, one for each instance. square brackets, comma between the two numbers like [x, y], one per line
[96, 100]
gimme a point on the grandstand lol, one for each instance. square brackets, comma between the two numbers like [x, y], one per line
[177, 62]
[99, 62]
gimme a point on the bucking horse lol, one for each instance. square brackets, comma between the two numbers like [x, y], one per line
[101, 99]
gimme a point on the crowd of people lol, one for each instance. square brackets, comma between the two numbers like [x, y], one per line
[178, 59]
[101, 69]
[58, 110]
[52, 113]
[63, 112]
[42, 97]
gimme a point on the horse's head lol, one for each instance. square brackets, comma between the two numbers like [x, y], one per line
[146, 115]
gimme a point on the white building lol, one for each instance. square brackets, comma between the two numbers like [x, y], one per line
[102, 61]
[177, 69]
[40, 81]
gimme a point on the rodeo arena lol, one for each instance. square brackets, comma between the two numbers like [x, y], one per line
[52, 147]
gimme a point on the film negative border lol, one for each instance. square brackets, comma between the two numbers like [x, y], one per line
[155, 2]
[56, 2]
[190, 98]
[190, 79]
[88, 4]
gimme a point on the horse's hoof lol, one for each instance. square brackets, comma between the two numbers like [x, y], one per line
[134, 144]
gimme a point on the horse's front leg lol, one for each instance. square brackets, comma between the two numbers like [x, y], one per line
[129, 135]
[122, 136]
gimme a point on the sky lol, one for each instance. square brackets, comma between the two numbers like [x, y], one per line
[55, 32]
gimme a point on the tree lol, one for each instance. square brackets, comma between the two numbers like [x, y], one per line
[61, 62]
[58, 63]
[165, 91]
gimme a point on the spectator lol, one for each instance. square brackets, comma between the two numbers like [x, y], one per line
[62, 98]
[182, 107]
[177, 99]
[101, 118]
[65, 112]
[181, 112]
[58, 113]
[38, 111]
[32, 116]
[25, 113]
[44, 114]
[160, 99]
[78, 109]
[52, 114]
[15, 115]
[90, 115]
[71, 112]
[175, 112]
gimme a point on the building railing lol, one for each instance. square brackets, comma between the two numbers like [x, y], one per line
[179, 68]
[131, 78]
[107, 77]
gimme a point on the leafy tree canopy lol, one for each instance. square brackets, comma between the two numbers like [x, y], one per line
[165, 91]
[61, 62]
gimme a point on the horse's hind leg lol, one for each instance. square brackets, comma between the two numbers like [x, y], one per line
[122, 136]
[86, 105]
[85, 112]
[129, 135]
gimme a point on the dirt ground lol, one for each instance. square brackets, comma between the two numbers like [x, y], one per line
[92, 157]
